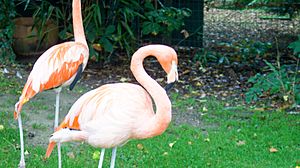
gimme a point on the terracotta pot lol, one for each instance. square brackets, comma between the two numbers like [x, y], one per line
[26, 40]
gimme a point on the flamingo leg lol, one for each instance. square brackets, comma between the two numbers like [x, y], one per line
[57, 91]
[101, 158]
[113, 157]
[22, 160]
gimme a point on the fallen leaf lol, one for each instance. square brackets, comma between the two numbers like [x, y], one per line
[123, 79]
[159, 79]
[96, 155]
[197, 78]
[140, 146]
[97, 47]
[203, 101]
[185, 33]
[273, 150]
[165, 153]
[93, 57]
[18, 74]
[172, 144]
[194, 92]
[259, 109]
[71, 155]
[185, 72]
[1, 127]
[26, 152]
[5, 71]
[240, 143]
[204, 109]
[206, 140]
[286, 98]
[190, 143]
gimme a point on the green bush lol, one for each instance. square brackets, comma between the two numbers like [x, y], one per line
[163, 21]
[281, 83]
[7, 14]
[282, 6]
[112, 25]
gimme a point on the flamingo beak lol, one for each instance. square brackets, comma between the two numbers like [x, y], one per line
[172, 77]
[173, 74]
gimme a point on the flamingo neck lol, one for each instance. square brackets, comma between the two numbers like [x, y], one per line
[77, 23]
[160, 121]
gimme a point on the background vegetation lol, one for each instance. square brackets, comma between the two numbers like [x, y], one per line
[7, 13]
[110, 26]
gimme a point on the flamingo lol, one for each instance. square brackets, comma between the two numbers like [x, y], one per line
[109, 116]
[61, 65]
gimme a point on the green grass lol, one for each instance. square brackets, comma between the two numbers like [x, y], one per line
[233, 137]
[9, 85]
[38, 126]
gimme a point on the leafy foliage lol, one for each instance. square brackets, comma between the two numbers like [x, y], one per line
[163, 21]
[111, 25]
[280, 7]
[245, 51]
[251, 49]
[112, 28]
[7, 30]
[296, 46]
[282, 81]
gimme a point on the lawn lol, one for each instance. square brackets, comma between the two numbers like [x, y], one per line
[233, 137]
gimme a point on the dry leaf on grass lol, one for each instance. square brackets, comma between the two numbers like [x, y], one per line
[1, 127]
[96, 155]
[140, 146]
[172, 144]
[71, 155]
[240, 143]
[273, 150]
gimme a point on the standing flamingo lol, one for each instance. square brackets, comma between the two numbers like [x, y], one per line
[109, 116]
[61, 65]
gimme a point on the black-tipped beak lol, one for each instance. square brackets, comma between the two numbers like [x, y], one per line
[169, 86]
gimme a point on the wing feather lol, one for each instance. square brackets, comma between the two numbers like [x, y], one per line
[62, 61]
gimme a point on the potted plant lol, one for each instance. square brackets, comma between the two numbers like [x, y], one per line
[33, 35]
[28, 41]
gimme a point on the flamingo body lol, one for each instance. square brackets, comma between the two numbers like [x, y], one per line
[56, 67]
[98, 115]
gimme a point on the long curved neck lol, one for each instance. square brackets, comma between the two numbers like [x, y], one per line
[160, 121]
[77, 23]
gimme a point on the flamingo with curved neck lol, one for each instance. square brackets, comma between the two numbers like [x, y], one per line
[112, 114]
[61, 65]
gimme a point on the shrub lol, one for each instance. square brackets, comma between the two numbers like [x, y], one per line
[282, 82]
[7, 30]
[163, 21]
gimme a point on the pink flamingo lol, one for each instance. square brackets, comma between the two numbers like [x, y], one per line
[109, 116]
[61, 65]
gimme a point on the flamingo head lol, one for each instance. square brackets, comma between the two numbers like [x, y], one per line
[169, 62]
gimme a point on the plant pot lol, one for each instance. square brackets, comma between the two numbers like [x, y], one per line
[26, 39]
